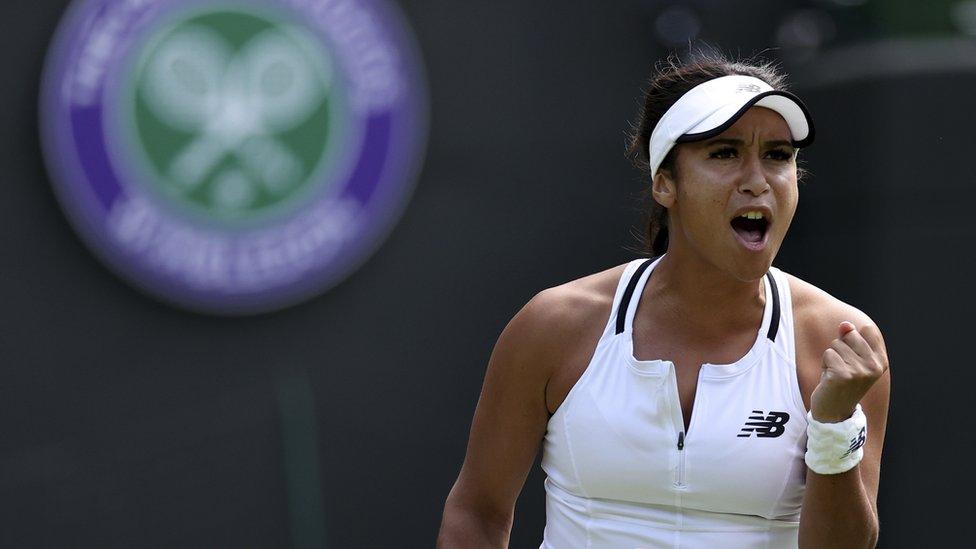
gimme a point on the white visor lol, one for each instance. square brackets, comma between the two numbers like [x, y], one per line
[712, 107]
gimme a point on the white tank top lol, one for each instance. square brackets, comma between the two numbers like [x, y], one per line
[622, 472]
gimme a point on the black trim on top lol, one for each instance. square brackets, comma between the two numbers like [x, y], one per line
[805, 142]
[632, 286]
[629, 292]
[774, 321]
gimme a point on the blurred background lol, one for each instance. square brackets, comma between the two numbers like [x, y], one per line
[341, 421]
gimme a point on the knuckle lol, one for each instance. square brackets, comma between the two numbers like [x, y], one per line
[847, 373]
[872, 335]
[831, 355]
[871, 330]
[876, 362]
[871, 373]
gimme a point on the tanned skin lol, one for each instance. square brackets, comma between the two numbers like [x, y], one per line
[703, 304]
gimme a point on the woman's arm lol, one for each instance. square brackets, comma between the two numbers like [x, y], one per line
[509, 424]
[840, 510]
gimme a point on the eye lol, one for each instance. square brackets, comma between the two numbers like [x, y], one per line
[724, 153]
[780, 154]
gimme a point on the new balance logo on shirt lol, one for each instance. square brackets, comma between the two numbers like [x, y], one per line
[765, 425]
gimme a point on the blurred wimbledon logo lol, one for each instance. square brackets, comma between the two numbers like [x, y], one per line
[231, 112]
[233, 157]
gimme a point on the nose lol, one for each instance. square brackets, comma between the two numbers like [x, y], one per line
[753, 179]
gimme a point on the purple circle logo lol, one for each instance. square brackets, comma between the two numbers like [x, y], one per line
[233, 157]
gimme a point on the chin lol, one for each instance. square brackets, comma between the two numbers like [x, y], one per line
[752, 266]
[750, 261]
[750, 272]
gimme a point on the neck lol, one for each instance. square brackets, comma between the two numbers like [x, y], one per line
[698, 294]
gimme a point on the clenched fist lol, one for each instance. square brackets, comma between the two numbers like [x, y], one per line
[851, 365]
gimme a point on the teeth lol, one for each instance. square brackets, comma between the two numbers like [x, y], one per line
[752, 215]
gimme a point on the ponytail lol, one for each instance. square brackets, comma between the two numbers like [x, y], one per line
[660, 240]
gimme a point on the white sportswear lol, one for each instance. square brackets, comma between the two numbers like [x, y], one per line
[622, 472]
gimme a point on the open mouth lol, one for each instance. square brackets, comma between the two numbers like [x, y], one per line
[751, 229]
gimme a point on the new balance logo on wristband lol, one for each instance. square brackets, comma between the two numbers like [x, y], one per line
[765, 425]
[856, 442]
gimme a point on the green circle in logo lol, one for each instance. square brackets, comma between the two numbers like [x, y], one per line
[232, 113]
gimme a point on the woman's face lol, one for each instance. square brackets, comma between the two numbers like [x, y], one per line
[751, 167]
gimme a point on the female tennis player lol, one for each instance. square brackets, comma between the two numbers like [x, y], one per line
[701, 398]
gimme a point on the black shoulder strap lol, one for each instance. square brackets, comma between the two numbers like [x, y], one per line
[629, 292]
[632, 285]
[774, 321]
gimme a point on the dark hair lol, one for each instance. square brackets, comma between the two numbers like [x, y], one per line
[671, 78]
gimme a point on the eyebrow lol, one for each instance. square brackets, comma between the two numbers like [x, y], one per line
[741, 143]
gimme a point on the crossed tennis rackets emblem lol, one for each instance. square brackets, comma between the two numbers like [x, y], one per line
[235, 103]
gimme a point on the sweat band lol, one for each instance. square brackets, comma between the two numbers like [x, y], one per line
[834, 448]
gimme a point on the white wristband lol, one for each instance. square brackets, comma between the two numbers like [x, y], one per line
[836, 447]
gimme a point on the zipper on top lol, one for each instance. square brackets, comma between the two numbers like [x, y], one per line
[680, 481]
[679, 427]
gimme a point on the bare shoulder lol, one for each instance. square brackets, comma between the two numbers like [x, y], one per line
[513, 410]
[558, 329]
[557, 316]
[817, 315]
[566, 308]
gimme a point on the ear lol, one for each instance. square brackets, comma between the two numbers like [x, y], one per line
[663, 189]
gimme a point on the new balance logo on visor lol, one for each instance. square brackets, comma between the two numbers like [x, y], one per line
[765, 425]
[856, 443]
[751, 88]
